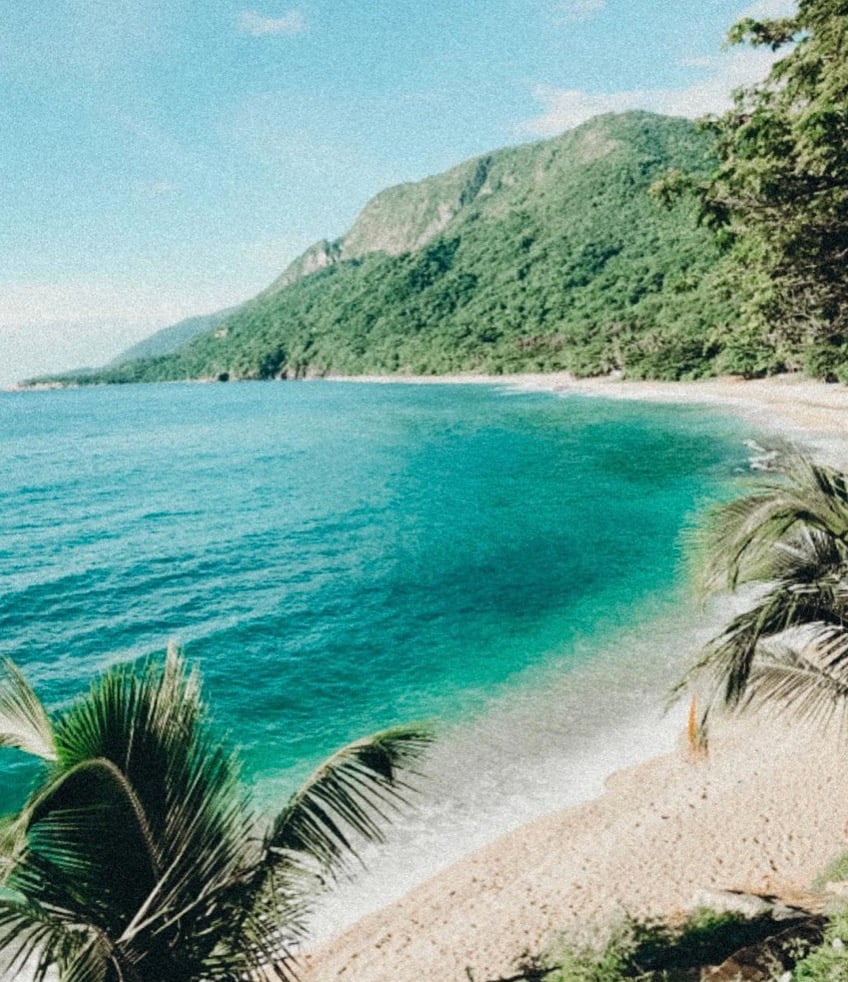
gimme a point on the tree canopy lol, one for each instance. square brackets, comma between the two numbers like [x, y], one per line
[140, 856]
[785, 543]
[780, 193]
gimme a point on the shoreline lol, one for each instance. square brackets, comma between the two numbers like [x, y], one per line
[808, 409]
[765, 813]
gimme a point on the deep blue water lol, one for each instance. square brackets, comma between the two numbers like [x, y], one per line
[340, 557]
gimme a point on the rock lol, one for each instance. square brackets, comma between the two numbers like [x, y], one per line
[771, 958]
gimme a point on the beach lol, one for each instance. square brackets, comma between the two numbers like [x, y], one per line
[764, 812]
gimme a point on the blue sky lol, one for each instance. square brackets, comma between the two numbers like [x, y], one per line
[163, 158]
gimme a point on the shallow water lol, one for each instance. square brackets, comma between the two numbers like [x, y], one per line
[342, 557]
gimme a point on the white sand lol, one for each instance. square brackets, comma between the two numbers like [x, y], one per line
[766, 812]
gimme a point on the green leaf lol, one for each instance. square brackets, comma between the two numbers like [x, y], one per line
[787, 540]
[347, 797]
[141, 857]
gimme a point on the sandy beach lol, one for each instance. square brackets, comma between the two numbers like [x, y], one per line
[765, 812]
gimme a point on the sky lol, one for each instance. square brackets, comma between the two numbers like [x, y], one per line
[166, 158]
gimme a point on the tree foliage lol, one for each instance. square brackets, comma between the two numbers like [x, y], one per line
[786, 544]
[780, 193]
[140, 856]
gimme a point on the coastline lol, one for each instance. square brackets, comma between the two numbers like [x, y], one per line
[789, 405]
[765, 813]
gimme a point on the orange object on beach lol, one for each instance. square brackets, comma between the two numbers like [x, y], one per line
[696, 733]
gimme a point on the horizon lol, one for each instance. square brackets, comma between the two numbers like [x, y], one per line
[172, 165]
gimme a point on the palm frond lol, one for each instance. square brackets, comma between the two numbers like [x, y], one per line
[12, 843]
[24, 723]
[85, 824]
[734, 543]
[144, 778]
[35, 939]
[801, 682]
[86, 964]
[729, 658]
[142, 785]
[808, 555]
[347, 797]
[151, 724]
[790, 538]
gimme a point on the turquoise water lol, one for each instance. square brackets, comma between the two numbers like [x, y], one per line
[342, 557]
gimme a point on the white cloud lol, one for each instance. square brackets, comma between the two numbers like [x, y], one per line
[292, 22]
[564, 109]
[574, 11]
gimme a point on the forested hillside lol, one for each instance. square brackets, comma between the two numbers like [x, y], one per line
[546, 256]
[779, 197]
[170, 338]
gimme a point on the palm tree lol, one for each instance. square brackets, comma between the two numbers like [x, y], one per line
[786, 544]
[140, 857]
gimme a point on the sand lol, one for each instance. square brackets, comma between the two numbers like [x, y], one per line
[765, 812]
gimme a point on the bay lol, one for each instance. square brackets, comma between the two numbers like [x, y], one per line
[341, 557]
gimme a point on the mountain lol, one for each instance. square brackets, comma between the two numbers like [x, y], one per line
[168, 339]
[550, 255]
[398, 220]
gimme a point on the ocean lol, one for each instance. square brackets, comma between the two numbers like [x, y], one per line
[342, 557]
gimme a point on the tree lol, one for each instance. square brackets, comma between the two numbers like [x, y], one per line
[780, 193]
[787, 543]
[140, 856]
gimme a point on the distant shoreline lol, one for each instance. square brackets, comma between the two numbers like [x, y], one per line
[803, 405]
[790, 407]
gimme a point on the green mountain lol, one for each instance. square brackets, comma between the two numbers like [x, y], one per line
[171, 338]
[545, 256]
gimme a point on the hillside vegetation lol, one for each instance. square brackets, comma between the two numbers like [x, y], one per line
[168, 339]
[779, 198]
[545, 256]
